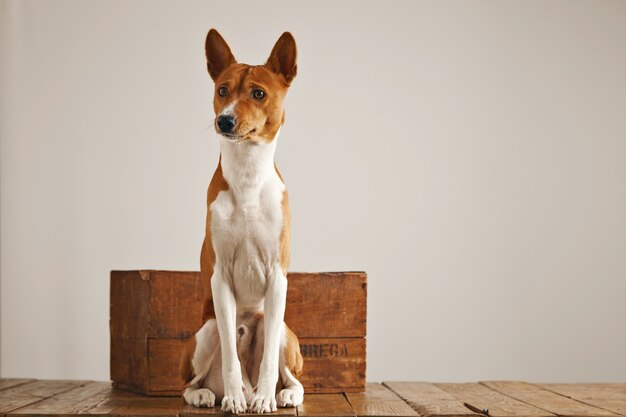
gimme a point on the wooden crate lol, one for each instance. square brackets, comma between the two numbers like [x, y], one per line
[154, 312]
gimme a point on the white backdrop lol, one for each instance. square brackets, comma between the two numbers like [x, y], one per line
[470, 156]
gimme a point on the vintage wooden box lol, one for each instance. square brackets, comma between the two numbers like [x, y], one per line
[154, 312]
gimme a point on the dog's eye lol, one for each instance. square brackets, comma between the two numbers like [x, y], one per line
[258, 94]
[222, 91]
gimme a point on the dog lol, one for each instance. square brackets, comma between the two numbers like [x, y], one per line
[244, 353]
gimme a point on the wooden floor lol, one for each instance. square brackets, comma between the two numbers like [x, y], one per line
[27, 397]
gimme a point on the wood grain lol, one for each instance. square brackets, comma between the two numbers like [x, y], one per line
[121, 403]
[168, 304]
[32, 392]
[329, 304]
[13, 382]
[503, 399]
[129, 364]
[190, 411]
[337, 363]
[129, 322]
[129, 308]
[330, 365]
[75, 401]
[546, 400]
[611, 397]
[325, 405]
[499, 405]
[175, 304]
[378, 400]
[429, 400]
[164, 355]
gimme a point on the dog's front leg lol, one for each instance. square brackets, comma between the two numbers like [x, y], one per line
[234, 400]
[264, 400]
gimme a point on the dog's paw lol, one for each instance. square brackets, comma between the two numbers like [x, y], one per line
[262, 403]
[290, 397]
[234, 401]
[200, 397]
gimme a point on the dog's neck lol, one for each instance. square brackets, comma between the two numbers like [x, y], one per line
[247, 165]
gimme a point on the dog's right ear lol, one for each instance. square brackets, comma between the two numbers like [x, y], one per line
[218, 55]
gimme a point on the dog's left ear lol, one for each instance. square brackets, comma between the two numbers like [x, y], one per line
[282, 60]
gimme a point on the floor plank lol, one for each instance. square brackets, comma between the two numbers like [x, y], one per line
[429, 400]
[43, 388]
[611, 397]
[13, 382]
[32, 392]
[191, 411]
[121, 403]
[29, 398]
[378, 400]
[325, 405]
[546, 400]
[499, 405]
[73, 402]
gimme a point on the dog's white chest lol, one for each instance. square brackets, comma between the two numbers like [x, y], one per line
[247, 220]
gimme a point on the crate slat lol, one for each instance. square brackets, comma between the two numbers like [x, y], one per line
[327, 304]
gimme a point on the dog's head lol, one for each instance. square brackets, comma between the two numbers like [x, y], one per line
[248, 99]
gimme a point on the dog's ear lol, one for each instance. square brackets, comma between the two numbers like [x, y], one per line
[218, 55]
[282, 60]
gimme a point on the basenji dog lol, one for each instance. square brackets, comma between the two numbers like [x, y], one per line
[244, 353]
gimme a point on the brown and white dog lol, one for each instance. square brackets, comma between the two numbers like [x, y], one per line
[244, 345]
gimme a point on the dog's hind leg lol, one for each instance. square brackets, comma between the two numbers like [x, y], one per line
[290, 367]
[198, 363]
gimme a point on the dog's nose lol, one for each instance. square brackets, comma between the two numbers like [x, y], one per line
[226, 123]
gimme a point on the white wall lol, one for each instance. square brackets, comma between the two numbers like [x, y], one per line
[470, 156]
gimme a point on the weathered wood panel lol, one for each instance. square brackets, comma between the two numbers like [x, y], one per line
[129, 305]
[546, 400]
[129, 364]
[20, 398]
[325, 405]
[75, 401]
[611, 397]
[329, 304]
[499, 405]
[378, 400]
[121, 403]
[429, 400]
[175, 304]
[164, 358]
[330, 365]
[189, 411]
[13, 382]
[167, 304]
[333, 363]
[32, 392]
